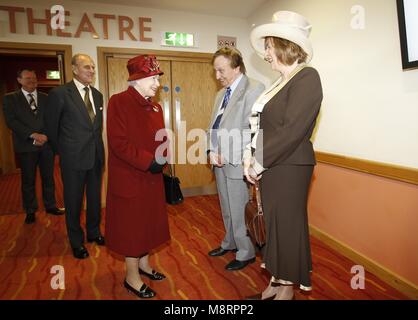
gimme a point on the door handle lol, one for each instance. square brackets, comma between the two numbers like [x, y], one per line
[166, 108]
[178, 113]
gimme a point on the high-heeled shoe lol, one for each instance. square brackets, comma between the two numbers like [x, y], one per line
[144, 292]
[259, 296]
[154, 275]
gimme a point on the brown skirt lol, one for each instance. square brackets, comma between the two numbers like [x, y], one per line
[284, 193]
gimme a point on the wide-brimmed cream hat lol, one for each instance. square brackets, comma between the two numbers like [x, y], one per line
[286, 25]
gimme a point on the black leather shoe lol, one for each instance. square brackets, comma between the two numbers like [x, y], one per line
[238, 265]
[144, 292]
[154, 275]
[30, 218]
[80, 253]
[55, 211]
[219, 252]
[100, 240]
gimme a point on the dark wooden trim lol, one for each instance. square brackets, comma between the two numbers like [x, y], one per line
[23, 48]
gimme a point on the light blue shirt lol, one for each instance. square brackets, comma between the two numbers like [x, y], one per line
[233, 86]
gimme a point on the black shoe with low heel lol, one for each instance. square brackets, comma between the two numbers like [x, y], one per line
[154, 275]
[144, 292]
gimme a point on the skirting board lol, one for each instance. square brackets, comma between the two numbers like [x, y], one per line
[392, 279]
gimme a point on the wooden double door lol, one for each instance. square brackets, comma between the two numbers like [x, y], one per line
[187, 92]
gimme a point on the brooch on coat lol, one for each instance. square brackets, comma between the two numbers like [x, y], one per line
[155, 109]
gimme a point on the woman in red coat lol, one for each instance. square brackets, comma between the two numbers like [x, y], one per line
[136, 216]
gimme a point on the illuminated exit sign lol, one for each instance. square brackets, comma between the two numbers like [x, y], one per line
[177, 39]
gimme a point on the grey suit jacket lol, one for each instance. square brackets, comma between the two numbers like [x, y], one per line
[77, 140]
[235, 134]
[21, 120]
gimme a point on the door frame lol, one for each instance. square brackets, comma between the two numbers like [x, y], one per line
[41, 49]
[37, 49]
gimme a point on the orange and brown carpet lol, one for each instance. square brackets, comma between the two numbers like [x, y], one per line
[28, 254]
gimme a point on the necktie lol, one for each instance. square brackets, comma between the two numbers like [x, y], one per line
[88, 104]
[221, 111]
[214, 134]
[32, 104]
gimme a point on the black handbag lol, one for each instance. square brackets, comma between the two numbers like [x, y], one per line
[173, 194]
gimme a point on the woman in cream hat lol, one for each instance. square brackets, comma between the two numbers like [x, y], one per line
[283, 120]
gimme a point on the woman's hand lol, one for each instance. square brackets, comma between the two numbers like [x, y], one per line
[251, 175]
[246, 164]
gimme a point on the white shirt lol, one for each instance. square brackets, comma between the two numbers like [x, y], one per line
[34, 93]
[82, 92]
[233, 86]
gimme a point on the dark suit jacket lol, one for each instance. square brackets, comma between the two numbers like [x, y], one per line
[288, 121]
[72, 134]
[21, 120]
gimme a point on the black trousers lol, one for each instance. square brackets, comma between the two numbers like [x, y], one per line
[75, 183]
[29, 161]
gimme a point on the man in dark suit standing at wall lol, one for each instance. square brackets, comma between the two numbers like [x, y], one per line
[74, 122]
[23, 112]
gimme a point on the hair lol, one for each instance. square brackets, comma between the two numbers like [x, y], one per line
[234, 57]
[74, 59]
[20, 71]
[132, 83]
[287, 51]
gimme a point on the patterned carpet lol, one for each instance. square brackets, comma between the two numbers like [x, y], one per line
[28, 254]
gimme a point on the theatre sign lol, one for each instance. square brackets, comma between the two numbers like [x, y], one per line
[56, 21]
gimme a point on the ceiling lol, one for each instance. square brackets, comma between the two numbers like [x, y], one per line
[229, 8]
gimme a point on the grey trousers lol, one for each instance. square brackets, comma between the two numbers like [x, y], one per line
[233, 196]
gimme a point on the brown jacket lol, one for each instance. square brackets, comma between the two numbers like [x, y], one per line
[288, 120]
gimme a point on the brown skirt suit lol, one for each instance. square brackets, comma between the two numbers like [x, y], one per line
[285, 150]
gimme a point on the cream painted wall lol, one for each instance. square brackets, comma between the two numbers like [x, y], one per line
[205, 27]
[370, 106]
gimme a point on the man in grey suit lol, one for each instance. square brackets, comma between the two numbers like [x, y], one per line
[230, 121]
[23, 112]
[74, 122]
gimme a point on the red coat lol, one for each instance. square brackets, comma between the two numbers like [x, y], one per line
[136, 216]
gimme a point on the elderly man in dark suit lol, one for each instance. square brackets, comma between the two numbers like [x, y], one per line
[23, 112]
[74, 122]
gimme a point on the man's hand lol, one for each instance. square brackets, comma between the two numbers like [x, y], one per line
[216, 159]
[39, 139]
